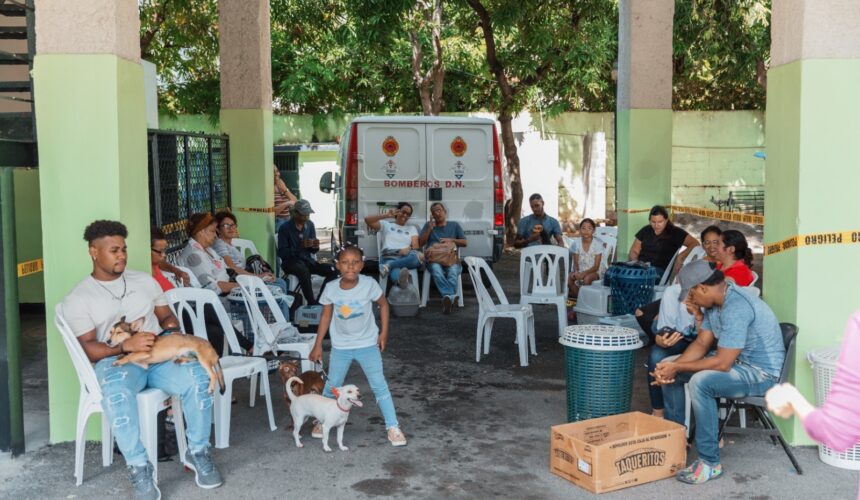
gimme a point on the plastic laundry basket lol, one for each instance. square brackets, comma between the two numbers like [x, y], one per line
[632, 286]
[823, 370]
[599, 360]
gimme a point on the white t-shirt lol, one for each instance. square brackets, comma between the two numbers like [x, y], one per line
[394, 236]
[93, 305]
[352, 323]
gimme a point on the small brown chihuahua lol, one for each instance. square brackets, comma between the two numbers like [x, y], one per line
[178, 347]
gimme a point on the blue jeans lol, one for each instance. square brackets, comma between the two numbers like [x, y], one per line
[446, 278]
[120, 385]
[705, 387]
[409, 261]
[656, 355]
[285, 309]
[370, 360]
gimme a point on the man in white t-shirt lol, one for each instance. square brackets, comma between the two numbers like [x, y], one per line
[112, 293]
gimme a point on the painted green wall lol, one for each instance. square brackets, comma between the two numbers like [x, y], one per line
[91, 122]
[813, 176]
[28, 233]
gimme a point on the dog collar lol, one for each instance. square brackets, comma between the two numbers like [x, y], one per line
[341, 409]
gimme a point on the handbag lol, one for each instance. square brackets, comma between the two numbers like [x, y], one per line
[444, 254]
[255, 264]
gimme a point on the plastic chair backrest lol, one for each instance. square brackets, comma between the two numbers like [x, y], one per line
[695, 254]
[789, 338]
[191, 303]
[610, 231]
[253, 290]
[668, 272]
[485, 299]
[83, 367]
[555, 259]
[245, 247]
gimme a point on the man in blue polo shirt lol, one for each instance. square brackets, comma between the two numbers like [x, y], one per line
[747, 362]
[538, 228]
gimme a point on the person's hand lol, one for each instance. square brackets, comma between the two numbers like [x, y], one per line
[268, 278]
[667, 341]
[392, 213]
[431, 222]
[693, 309]
[404, 251]
[139, 342]
[537, 229]
[381, 341]
[316, 354]
[184, 278]
[664, 373]
[781, 400]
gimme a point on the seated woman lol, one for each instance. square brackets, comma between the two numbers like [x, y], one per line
[158, 249]
[399, 243]
[211, 272]
[672, 331]
[710, 237]
[587, 256]
[227, 228]
[657, 242]
[734, 257]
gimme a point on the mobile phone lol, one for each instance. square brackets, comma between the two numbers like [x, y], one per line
[666, 330]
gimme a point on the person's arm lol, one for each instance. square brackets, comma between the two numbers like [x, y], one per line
[523, 241]
[576, 272]
[460, 237]
[322, 329]
[179, 273]
[166, 319]
[372, 220]
[690, 242]
[635, 248]
[97, 351]
[313, 233]
[286, 250]
[383, 320]
[426, 231]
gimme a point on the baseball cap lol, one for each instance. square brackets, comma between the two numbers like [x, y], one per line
[303, 207]
[694, 273]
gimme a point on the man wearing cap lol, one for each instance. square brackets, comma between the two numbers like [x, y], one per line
[297, 248]
[747, 361]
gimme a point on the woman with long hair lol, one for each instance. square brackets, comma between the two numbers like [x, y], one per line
[734, 257]
[657, 242]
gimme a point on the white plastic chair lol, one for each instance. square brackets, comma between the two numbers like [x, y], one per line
[149, 403]
[755, 278]
[550, 288]
[489, 310]
[190, 303]
[245, 247]
[414, 272]
[428, 277]
[610, 231]
[178, 282]
[265, 340]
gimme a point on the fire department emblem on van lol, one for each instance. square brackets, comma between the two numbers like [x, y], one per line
[459, 169]
[390, 168]
[390, 146]
[458, 146]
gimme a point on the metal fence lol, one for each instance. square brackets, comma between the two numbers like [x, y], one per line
[188, 173]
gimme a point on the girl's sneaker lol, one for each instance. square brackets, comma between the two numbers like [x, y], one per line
[396, 436]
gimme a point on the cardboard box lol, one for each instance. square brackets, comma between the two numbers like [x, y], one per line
[611, 453]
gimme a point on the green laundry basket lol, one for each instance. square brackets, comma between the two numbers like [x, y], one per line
[599, 361]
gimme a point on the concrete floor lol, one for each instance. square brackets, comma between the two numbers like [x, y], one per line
[476, 430]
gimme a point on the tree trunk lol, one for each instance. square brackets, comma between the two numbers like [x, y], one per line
[512, 159]
[431, 100]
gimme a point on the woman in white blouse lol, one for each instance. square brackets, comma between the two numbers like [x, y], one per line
[587, 256]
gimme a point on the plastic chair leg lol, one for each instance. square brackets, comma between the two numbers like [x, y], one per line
[562, 318]
[179, 425]
[522, 344]
[425, 287]
[460, 290]
[253, 391]
[488, 333]
[479, 337]
[268, 395]
[531, 334]
[107, 443]
[147, 413]
[79, 445]
[223, 406]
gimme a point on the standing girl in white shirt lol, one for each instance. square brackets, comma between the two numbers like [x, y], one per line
[348, 317]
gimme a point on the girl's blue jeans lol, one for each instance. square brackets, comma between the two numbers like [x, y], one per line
[370, 360]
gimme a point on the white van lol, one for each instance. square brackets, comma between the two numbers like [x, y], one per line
[384, 160]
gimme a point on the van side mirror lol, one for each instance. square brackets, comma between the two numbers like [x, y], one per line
[327, 182]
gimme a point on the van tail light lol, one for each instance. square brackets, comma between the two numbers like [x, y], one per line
[498, 187]
[351, 195]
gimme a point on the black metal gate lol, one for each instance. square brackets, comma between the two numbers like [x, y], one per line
[188, 173]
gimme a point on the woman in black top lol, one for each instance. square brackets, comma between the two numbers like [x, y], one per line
[657, 242]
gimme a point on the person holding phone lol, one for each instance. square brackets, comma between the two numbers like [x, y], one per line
[297, 248]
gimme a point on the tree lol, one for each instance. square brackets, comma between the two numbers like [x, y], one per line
[537, 51]
[427, 16]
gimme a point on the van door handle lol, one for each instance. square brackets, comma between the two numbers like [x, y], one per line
[359, 157]
[491, 158]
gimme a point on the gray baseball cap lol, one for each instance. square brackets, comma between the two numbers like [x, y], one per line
[694, 273]
[303, 207]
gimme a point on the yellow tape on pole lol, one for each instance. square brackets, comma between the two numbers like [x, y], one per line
[712, 214]
[256, 210]
[813, 240]
[30, 267]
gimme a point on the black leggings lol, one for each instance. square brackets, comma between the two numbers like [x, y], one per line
[303, 269]
[214, 331]
[649, 313]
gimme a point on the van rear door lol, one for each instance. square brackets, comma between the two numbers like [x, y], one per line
[391, 168]
[460, 175]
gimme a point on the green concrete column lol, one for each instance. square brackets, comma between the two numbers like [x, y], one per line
[246, 116]
[644, 117]
[812, 175]
[91, 122]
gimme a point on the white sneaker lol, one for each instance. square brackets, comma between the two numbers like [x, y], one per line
[396, 436]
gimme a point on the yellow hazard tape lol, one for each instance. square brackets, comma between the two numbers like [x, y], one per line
[704, 212]
[813, 240]
[30, 267]
[256, 210]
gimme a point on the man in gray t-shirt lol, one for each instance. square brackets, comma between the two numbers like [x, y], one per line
[748, 358]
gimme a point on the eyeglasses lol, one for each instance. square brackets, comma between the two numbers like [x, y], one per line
[711, 242]
[162, 252]
[228, 226]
